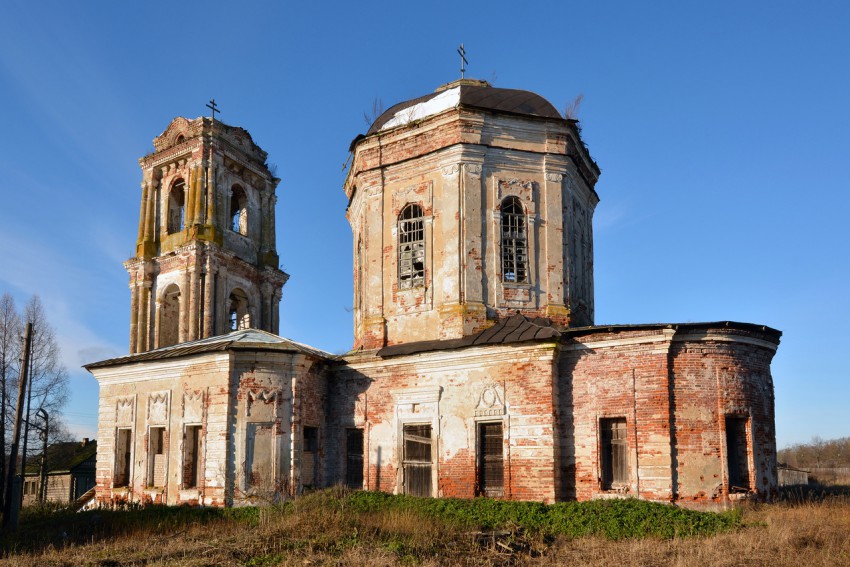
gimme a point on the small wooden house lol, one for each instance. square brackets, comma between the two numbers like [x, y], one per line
[70, 472]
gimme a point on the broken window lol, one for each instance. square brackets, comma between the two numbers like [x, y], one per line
[514, 242]
[491, 470]
[737, 454]
[239, 315]
[176, 209]
[156, 456]
[418, 460]
[123, 448]
[238, 210]
[411, 247]
[309, 456]
[615, 453]
[259, 457]
[354, 458]
[192, 456]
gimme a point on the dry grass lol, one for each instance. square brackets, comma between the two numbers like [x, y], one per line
[803, 535]
[808, 534]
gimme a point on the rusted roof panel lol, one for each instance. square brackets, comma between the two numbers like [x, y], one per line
[518, 329]
[514, 329]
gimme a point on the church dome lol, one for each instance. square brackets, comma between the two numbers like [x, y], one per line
[469, 93]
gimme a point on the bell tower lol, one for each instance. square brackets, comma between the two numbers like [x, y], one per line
[205, 261]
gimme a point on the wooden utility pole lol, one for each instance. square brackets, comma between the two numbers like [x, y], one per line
[42, 485]
[12, 501]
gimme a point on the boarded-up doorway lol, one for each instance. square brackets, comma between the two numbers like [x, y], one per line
[418, 460]
[614, 451]
[354, 458]
[491, 466]
[737, 454]
[259, 457]
[309, 456]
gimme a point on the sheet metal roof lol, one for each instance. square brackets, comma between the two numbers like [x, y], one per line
[237, 340]
[518, 328]
[513, 101]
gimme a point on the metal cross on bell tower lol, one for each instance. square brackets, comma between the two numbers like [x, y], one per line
[214, 107]
[463, 62]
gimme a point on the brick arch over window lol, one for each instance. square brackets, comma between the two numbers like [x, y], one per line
[238, 310]
[176, 206]
[238, 210]
[411, 247]
[514, 241]
[169, 316]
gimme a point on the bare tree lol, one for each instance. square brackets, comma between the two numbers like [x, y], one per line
[48, 379]
[10, 350]
[377, 110]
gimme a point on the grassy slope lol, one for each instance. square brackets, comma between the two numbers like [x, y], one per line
[377, 529]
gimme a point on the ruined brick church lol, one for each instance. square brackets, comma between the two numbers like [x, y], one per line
[476, 369]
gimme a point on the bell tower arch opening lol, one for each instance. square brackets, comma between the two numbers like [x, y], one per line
[169, 316]
[238, 311]
[176, 206]
[238, 210]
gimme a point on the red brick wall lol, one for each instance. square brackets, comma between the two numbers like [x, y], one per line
[675, 389]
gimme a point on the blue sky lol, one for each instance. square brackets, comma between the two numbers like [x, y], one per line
[722, 131]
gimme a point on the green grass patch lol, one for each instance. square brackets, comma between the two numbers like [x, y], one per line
[613, 519]
[332, 519]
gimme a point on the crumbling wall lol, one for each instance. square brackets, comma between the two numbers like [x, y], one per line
[676, 388]
[452, 392]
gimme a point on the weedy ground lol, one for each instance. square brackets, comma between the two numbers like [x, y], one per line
[338, 527]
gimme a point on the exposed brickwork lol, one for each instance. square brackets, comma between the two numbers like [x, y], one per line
[459, 165]
[224, 393]
[686, 411]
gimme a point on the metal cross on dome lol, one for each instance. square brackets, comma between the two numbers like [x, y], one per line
[214, 107]
[463, 62]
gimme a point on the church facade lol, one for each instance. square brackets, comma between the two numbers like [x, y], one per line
[476, 368]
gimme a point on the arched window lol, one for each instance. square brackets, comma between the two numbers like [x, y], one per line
[514, 242]
[238, 210]
[176, 209]
[239, 314]
[411, 247]
[169, 317]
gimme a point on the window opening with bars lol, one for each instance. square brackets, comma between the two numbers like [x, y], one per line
[411, 247]
[491, 470]
[615, 453]
[418, 460]
[514, 242]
